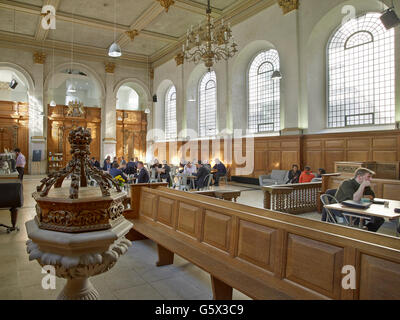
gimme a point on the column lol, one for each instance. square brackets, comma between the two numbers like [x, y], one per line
[36, 117]
[109, 114]
[180, 97]
[291, 108]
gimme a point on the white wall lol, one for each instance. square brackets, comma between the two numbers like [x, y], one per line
[300, 37]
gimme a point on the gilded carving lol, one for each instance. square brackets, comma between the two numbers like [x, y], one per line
[132, 34]
[75, 109]
[166, 4]
[288, 5]
[110, 67]
[39, 57]
[179, 59]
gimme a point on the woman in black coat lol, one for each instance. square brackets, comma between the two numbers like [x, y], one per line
[294, 174]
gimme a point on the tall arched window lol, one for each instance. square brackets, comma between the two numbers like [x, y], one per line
[264, 93]
[361, 71]
[170, 113]
[208, 105]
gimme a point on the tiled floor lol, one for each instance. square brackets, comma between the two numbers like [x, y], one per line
[135, 276]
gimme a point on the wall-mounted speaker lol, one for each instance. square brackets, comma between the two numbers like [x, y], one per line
[390, 19]
[13, 84]
[155, 98]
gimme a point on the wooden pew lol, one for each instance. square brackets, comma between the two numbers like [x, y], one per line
[383, 188]
[262, 253]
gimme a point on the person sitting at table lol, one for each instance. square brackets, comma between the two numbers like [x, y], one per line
[107, 165]
[306, 176]
[221, 171]
[123, 161]
[105, 161]
[357, 188]
[201, 175]
[294, 174]
[182, 165]
[207, 165]
[164, 171]
[114, 171]
[321, 171]
[143, 176]
[130, 167]
[189, 169]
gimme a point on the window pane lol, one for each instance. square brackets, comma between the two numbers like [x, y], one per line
[264, 93]
[361, 86]
[170, 114]
[208, 105]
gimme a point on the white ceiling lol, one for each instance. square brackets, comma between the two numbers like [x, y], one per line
[90, 23]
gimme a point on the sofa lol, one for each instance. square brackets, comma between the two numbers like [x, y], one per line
[275, 177]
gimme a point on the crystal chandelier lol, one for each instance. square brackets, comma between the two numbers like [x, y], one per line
[208, 43]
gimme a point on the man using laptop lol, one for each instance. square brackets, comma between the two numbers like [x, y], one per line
[357, 188]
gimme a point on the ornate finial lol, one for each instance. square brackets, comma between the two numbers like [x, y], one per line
[79, 168]
[132, 34]
[179, 59]
[288, 5]
[166, 4]
[110, 67]
[39, 57]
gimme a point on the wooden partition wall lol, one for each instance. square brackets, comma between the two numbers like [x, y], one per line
[60, 125]
[279, 153]
[14, 127]
[265, 254]
[131, 134]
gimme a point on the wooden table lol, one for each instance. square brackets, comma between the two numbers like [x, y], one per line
[376, 210]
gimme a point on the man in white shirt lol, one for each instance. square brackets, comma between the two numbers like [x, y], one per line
[20, 163]
[189, 169]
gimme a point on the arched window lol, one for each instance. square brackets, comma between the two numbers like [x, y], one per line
[170, 113]
[264, 93]
[208, 105]
[361, 83]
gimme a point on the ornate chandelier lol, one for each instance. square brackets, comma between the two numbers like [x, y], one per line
[208, 43]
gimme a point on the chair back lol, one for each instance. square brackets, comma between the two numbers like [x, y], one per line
[153, 173]
[208, 180]
[328, 198]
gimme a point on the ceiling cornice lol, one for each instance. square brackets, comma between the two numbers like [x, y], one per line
[142, 22]
[196, 7]
[13, 41]
[233, 14]
[41, 34]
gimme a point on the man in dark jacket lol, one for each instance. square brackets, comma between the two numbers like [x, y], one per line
[143, 176]
[105, 161]
[114, 172]
[221, 171]
[130, 167]
[202, 173]
[107, 165]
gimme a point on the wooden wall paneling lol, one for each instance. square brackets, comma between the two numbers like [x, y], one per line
[59, 125]
[14, 127]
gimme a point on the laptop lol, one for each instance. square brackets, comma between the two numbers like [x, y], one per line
[356, 204]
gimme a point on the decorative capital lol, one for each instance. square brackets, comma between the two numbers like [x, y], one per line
[132, 34]
[179, 59]
[166, 4]
[110, 67]
[39, 57]
[288, 5]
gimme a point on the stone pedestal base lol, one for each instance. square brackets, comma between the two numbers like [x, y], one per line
[79, 289]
